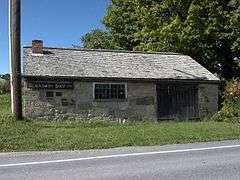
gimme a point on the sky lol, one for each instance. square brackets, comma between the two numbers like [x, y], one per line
[59, 23]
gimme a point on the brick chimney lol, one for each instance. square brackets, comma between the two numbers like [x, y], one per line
[37, 47]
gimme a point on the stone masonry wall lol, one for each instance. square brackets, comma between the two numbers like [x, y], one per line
[208, 99]
[78, 103]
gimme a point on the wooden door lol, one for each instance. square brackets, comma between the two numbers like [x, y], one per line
[177, 102]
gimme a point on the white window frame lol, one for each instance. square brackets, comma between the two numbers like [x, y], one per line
[120, 83]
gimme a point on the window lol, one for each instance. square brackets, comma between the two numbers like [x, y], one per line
[49, 94]
[110, 91]
[58, 94]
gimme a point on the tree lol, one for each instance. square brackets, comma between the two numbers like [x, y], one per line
[4, 83]
[122, 21]
[5, 76]
[98, 39]
[207, 30]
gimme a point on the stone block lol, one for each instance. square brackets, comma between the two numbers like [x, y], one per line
[145, 101]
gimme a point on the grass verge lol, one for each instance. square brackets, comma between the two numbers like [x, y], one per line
[31, 135]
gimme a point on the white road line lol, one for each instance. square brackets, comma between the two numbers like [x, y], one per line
[117, 155]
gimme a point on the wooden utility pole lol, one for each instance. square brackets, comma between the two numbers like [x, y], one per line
[15, 55]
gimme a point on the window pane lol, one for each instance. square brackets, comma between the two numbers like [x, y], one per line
[49, 94]
[121, 92]
[58, 94]
[110, 91]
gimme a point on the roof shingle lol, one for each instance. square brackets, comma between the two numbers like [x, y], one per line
[63, 62]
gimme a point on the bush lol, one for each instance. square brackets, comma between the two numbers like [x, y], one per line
[230, 111]
[232, 91]
[4, 84]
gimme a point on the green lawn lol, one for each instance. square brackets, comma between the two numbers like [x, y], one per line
[30, 135]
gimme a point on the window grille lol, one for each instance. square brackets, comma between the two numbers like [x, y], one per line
[58, 94]
[49, 94]
[109, 91]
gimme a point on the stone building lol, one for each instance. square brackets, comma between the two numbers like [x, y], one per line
[65, 83]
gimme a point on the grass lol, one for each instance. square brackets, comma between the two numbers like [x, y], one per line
[30, 135]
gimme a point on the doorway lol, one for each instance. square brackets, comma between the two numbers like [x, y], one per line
[177, 102]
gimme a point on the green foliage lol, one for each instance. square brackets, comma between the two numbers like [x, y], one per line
[5, 76]
[4, 83]
[232, 92]
[98, 39]
[5, 104]
[122, 20]
[29, 135]
[207, 30]
[230, 111]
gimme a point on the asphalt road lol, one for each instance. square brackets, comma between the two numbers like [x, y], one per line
[214, 160]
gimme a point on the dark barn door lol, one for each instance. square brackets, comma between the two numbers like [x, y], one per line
[177, 102]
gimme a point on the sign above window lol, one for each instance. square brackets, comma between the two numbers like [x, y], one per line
[50, 85]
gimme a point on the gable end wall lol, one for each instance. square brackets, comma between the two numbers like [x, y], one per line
[208, 100]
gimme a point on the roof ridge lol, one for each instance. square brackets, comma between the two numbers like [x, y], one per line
[109, 50]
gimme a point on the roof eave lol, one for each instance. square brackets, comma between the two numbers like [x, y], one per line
[165, 80]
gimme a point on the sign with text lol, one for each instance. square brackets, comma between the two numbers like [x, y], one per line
[50, 85]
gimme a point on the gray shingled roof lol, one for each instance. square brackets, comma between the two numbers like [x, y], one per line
[60, 62]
